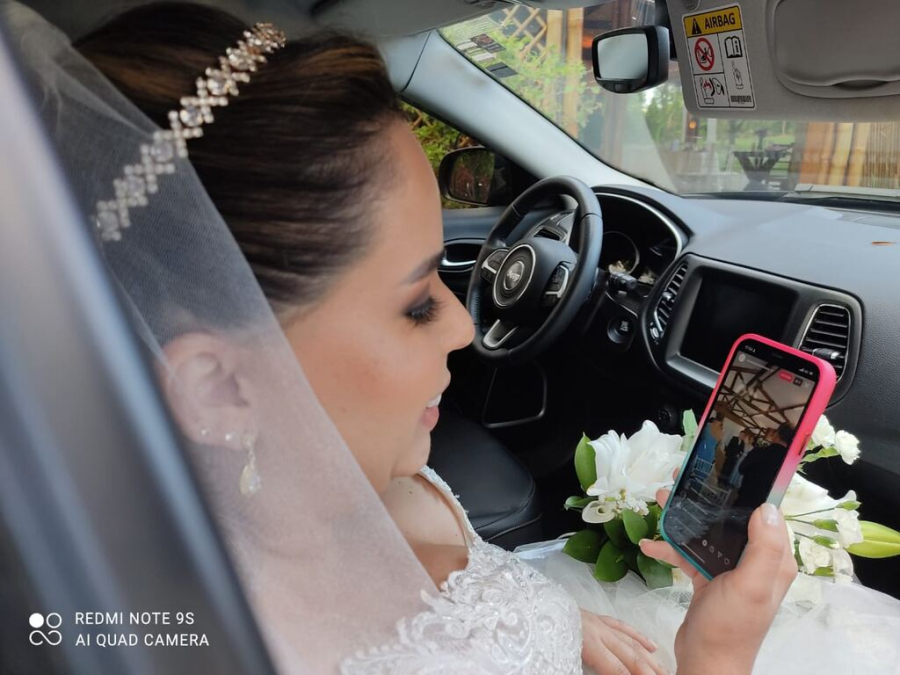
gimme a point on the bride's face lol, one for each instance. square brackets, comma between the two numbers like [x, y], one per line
[375, 347]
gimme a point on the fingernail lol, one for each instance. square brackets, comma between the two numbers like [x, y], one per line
[770, 514]
[642, 542]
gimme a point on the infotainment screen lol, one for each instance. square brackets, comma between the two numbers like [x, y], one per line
[725, 310]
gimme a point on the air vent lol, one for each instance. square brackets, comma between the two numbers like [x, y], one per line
[829, 329]
[666, 303]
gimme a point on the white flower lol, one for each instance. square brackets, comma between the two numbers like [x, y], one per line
[630, 471]
[848, 445]
[842, 565]
[599, 511]
[849, 530]
[804, 496]
[814, 555]
[805, 502]
[823, 434]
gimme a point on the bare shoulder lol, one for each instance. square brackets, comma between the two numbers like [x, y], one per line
[429, 524]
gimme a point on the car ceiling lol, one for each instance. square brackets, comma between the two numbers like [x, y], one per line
[378, 18]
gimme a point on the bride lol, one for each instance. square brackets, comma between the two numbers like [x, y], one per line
[355, 556]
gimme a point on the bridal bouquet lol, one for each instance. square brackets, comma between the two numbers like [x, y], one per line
[620, 477]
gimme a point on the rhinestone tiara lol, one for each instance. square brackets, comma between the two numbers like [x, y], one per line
[138, 181]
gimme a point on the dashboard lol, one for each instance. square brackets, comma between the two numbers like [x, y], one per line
[638, 239]
[805, 275]
[709, 270]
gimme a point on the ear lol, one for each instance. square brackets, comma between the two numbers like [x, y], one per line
[207, 390]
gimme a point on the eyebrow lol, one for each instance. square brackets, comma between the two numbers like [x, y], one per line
[425, 268]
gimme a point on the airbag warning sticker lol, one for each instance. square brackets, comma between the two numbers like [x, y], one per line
[718, 54]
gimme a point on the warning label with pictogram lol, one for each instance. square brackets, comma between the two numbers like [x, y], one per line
[718, 53]
[717, 21]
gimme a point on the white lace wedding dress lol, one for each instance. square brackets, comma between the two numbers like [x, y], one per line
[497, 615]
[822, 627]
[518, 613]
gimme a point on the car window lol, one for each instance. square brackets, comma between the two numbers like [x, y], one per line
[437, 138]
[544, 57]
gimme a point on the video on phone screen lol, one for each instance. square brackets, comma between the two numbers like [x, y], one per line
[738, 454]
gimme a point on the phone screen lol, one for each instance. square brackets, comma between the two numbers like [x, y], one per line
[738, 453]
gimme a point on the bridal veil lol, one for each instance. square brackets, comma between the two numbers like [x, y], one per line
[325, 569]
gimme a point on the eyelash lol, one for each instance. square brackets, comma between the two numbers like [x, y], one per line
[426, 312]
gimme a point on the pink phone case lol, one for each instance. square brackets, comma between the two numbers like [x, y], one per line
[817, 404]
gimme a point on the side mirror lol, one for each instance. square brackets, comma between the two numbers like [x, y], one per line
[631, 59]
[475, 176]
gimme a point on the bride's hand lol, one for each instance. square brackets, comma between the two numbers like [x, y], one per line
[730, 615]
[612, 647]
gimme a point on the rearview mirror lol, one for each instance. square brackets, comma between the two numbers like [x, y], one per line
[631, 59]
[475, 176]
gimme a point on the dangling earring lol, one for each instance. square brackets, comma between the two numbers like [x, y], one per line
[250, 480]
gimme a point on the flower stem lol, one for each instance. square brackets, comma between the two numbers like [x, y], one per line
[809, 513]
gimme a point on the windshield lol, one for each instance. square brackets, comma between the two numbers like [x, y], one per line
[544, 57]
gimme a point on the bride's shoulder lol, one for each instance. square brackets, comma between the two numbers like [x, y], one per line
[434, 478]
[427, 512]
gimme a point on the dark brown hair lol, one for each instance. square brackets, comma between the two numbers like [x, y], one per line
[294, 162]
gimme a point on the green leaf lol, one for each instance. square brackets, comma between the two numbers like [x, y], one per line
[825, 524]
[635, 526]
[615, 530]
[585, 545]
[585, 464]
[652, 519]
[821, 454]
[880, 541]
[655, 573]
[629, 555]
[689, 424]
[824, 572]
[577, 502]
[610, 564]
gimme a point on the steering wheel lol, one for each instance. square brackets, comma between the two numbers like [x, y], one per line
[534, 286]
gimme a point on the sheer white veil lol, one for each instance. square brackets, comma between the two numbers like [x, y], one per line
[325, 568]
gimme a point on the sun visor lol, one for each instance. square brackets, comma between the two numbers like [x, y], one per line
[830, 61]
[789, 59]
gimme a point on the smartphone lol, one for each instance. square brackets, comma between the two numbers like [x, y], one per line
[749, 442]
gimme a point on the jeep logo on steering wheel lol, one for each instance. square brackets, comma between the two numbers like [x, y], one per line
[513, 275]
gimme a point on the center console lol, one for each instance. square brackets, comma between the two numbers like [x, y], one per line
[702, 306]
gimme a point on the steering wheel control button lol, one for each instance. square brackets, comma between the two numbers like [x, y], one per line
[559, 280]
[514, 275]
[492, 264]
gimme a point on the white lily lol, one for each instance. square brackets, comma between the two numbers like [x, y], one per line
[630, 471]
